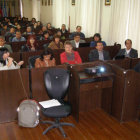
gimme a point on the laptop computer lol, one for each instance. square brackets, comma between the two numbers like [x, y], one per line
[81, 45]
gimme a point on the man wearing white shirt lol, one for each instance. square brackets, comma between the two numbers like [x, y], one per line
[128, 51]
[75, 43]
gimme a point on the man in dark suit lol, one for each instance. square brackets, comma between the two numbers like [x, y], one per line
[128, 51]
[98, 53]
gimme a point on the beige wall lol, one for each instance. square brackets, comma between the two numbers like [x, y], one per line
[27, 9]
[45, 14]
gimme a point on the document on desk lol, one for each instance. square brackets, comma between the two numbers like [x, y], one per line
[50, 103]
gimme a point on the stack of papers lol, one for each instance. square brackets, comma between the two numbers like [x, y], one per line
[50, 103]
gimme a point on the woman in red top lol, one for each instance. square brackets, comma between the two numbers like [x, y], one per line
[70, 56]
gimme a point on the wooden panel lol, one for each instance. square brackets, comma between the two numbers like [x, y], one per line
[131, 100]
[134, 62]
[15, 56]
[12, 92]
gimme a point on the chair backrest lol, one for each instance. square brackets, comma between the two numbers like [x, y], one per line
[32, 61]
[56, 82]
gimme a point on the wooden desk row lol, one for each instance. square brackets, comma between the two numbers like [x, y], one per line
[118, 94]
[84, 52]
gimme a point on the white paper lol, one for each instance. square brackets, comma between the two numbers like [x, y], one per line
[50, 103]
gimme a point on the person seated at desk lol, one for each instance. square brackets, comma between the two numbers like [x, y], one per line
[75, 43]
[45, 36]
[128, 51]
[6, 62]
[96, 38]
[46, 60]
[18, 37]
[28, 31]
[63, 30]
[98, 53]
[3, 45]
[31, 45]
[60, 34]
[56, 44]
[70, 56]
[78, 30]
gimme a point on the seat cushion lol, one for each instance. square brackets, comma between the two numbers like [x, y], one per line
[58, 111]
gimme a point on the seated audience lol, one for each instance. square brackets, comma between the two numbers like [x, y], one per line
[43, 29]
[10, 34]
[6, 62]
[46, 60]
[78, 30]
[4, 29]
[63, 30]
[60, 34]
[56, 44]
[45, 36]
[3, 45]
[75, 43]
[18, 37]
[31, 45]
[28, 31]
[49, 26]
[70, 56]
[98, 53]
[96, 38]
[128, 51]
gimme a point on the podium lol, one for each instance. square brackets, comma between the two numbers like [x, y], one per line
[88, 92]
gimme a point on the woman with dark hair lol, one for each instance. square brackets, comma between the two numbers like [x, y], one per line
[6, 62]
[31, 45]
[46, 60]
[56, 44]
[96, 38]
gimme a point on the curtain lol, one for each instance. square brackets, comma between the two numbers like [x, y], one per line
[60, 13]
[124, 23]
[119, 21]
[133, 32]
[88, 16]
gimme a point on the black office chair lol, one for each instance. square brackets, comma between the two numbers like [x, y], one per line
[57, 82]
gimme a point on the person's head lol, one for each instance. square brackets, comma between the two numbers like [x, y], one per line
[77, 37]
[33, 20]
[99, 46]
[4, 54]
[12, 30]
[49, 25]
[63, 27]
[38, 23]
[47, 54]
[46, 34]
[97, 37]
[31, 40]
[16, 23]
[18, 34]
[2, 40]
[18, 27]
[28, 29]
[56, 39]
[78, 29]
[44, 28]
[59, 33]
[128, 44]
[68, 47]
[5, 26]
